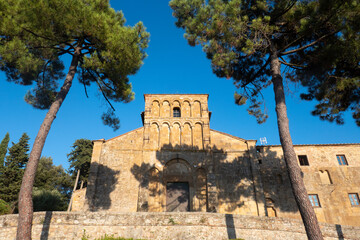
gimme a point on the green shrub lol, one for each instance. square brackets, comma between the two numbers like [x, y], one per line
[5, 207]
[48, 200]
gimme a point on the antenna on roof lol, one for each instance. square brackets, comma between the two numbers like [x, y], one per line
[263, 141]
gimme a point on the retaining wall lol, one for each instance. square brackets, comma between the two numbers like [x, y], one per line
[181, 226]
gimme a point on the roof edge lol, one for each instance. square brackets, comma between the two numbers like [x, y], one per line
[123, 134]
[229, 135]
[314, 144]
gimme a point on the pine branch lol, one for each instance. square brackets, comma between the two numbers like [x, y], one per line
[102, 91]
[285, 10]
[308, 45]
[257, 73]
[86, 94]
[295, 66]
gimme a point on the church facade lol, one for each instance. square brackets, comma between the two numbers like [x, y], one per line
[175, 162]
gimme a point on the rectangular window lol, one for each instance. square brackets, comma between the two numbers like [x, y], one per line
[354, 199]
[341, 159]
[303, 160]
[314, 199]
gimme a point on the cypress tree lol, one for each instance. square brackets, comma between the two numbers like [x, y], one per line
[3, 149]
[15, 162]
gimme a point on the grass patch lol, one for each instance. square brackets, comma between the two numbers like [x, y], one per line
[106, 237]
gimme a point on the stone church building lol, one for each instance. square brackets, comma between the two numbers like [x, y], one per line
[176, 162]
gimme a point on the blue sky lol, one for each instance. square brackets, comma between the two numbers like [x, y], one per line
[172, 66]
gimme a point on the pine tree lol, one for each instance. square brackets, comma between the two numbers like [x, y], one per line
[10, 180]
[3, 150]
[250, 41]
[80, 158]
[34, 35]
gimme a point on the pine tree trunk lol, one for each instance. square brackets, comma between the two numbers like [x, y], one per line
[25, 195]
[297, 184]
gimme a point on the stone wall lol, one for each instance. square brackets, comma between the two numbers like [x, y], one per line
[130, 173]
[176, 226]
[125, 177]
[220, 173]
[324, 177]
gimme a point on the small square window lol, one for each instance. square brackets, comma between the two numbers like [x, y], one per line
[341, 159]
[354, 199]
[314, 199]
[303, 160]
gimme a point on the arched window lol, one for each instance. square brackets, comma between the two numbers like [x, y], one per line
[176, 112]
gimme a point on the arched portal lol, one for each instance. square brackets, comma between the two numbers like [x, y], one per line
[179, 186]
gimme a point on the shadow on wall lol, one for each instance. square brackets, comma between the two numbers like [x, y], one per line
[228, 180]
[102, 181]
[339, 232]
[276, 184]
[46, 226]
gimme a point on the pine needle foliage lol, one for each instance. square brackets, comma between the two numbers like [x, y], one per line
[257, 42]
[35, 34]
[318, 43]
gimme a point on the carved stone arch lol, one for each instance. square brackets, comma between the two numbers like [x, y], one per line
[154, 135]
[165, 134]
[271, 211]
[196, 109]
[186, 136]
[172, 156]
[155, 108]
[325, 177]
[185, 100]
[269, 202]
[186, 108]
[270, 207]
[178, 176]
[155, 123]
[178, 167]
[176, 103]
[165, 109]
[167, 122]
[198, 135]
[176, 135]
[176, 122]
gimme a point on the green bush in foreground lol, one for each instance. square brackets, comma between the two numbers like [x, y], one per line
[5, 207]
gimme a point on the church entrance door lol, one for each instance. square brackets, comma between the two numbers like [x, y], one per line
[177, 197]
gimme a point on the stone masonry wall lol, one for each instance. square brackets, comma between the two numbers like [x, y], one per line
[324, 177]
[175, 226]
[130, 173]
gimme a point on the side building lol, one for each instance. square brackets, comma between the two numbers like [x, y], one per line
[175, 162]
